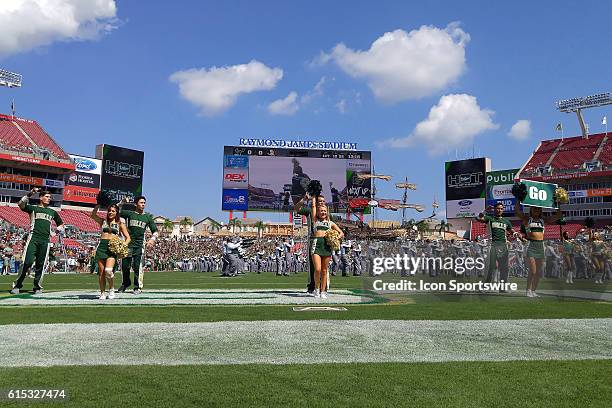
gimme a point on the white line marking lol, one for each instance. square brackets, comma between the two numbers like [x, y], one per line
[312, 341]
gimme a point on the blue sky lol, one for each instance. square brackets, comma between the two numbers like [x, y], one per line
[107, 79]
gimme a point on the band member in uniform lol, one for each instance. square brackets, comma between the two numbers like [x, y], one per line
[597, 255]
[498, 256]
[303, 209]
[137, 222]
[534, 227]
[321, 251]
[568, 257]
[36, 250]
[111, 226]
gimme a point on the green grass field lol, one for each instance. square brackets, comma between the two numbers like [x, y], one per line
[549, 382]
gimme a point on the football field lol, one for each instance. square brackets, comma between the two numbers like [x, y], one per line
[197, 339]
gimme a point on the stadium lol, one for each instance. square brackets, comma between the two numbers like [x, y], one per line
[415, 309]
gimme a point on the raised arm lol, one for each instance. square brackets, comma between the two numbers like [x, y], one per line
[519, 214]
[24, 203]
[482, 216]
[313, 208]
[94, 215]
[554, 218]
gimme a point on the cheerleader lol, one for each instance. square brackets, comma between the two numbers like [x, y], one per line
[597, 255]
[568, 257]
[111, 226]
[534, 225]
[321, 251]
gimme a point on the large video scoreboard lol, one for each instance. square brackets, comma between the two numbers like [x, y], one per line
[270, 179]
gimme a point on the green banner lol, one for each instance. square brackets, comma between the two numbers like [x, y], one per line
[540, 194]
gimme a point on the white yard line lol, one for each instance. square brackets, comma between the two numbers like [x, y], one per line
[185, 297]
[313, 341]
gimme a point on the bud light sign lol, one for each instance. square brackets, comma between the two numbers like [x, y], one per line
[237, 199]
[499, 189]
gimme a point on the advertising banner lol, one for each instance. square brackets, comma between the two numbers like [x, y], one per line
[81, 194]
[539, 194]
[499, 189]
[465, 182]
[465, 179]
[466, 208]
[84, 181]
[122, 170]
[235, 161]
[235, 177]
[235, 200]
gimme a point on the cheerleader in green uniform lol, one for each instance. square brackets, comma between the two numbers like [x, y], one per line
[111, 226]
[568, 257]
[534, 226]
[321, 251]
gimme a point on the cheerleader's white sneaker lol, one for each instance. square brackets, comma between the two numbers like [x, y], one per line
[317, 293]
[102, 296]
[323, 295]
[111, 294]
[529, 293]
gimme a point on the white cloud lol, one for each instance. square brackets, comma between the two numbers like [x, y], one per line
[454, 122]
[214, 90]
[520, 130]
[28, 24]
[317, 91]
[342, 106]
[400, 65]
[286, 106]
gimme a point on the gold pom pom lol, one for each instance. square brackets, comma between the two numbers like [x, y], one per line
[118, 247]
[561, 196]
[332, 238]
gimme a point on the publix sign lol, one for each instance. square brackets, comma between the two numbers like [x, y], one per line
[499, 189]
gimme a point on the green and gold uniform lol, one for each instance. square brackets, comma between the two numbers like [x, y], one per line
[136, 224]
[536, 248]
[36, 250]
[499, 248]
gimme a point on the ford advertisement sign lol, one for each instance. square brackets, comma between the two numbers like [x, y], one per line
[235, 199]
[87, 164]
[464, 208]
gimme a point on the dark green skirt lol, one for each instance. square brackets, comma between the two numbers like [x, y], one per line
[103, 252]
[536, 249]
[320, 247]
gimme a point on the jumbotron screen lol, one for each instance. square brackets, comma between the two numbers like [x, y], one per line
[262, 179]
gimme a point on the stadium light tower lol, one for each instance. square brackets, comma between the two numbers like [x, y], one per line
[585, 102]
[10, 79]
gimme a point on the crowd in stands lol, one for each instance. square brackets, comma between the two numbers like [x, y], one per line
[272, 255]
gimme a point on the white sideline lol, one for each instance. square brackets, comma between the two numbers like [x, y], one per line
[310, 341]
